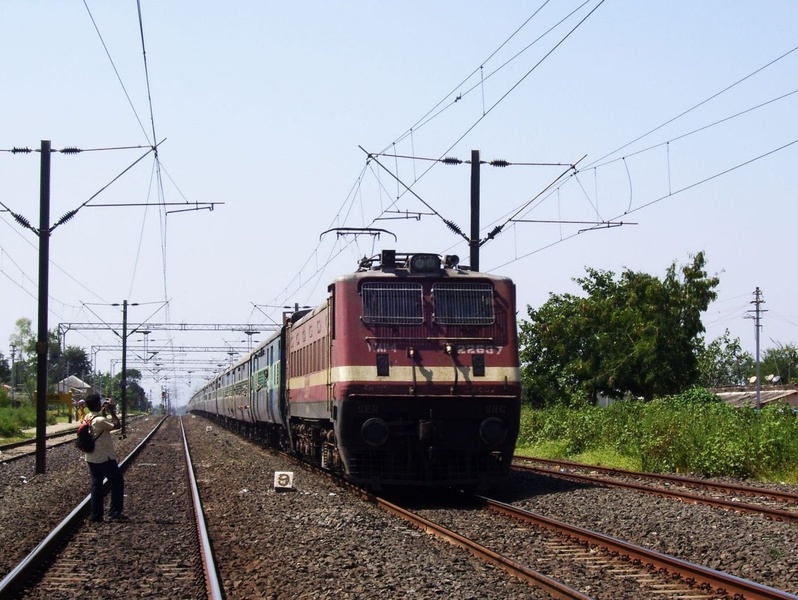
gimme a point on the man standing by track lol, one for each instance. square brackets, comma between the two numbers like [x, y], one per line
[102, 461]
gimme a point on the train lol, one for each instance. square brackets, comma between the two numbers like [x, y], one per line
[407, 375]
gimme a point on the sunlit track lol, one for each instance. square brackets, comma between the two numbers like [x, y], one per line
[696, 576]
[567, 470]
[49, 545]
[16, 450]
[212, 585]
[156, 539]
[556, 588]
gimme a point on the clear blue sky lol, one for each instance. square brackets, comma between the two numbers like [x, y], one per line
[263, 107]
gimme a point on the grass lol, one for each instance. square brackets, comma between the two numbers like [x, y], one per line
[691, 433]
[601, 457]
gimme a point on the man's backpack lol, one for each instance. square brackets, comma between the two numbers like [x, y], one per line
[85, 441]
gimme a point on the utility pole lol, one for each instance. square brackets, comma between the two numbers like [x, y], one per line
[473, 242]
[42, 339]
[757, 302]
[123, 382]
[123, 378]
[13, 376]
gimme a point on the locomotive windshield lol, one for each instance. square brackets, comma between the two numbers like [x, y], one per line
[392, 303]
[402, 303]
[463, 303]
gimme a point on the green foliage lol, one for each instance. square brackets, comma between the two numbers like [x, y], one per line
[724, 363]
[693, 432]
[5, 369]
[633, 336]
[13, 420]
[72, 361]
[782, 361]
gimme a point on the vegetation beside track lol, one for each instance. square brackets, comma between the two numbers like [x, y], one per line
[13, 419]
[694, 432]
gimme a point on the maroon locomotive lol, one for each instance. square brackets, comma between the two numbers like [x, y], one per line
[407, 375]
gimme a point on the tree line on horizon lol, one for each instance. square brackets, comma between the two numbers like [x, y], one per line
[72, 360]
[633, 335]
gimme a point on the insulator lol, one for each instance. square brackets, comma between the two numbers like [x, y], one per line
[496, 231]
[16, 150]
[22, 220]
[451, 160]
[499, 163]
[453, 227]
[70, 150]
[67, 216]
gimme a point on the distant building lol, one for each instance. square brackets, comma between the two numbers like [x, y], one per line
[739, 397]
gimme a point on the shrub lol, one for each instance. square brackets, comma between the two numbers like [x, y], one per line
[9, 424]
[694, 432]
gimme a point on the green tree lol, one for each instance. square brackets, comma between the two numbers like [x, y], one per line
[636, 335]
[723, 362]
[781, 361]
[23, 343]
[112, 387]
[5, 369]
[72, 361]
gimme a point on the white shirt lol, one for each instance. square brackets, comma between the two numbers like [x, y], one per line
[104, 444]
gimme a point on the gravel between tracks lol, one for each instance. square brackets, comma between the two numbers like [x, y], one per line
[321, 542]
[154, 554]
[745, 545]
[32, 504]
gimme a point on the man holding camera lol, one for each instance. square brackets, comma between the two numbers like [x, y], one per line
[102, 461]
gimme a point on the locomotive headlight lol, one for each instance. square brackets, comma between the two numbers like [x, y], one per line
[492, 431]
[425, 263]
[374, 432]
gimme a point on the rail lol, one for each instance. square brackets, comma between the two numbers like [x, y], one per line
[28, 566]
[730, 584]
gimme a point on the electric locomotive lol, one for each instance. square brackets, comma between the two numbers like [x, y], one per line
[407, 375]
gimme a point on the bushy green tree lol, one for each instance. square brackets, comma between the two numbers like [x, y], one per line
[635, 335]
[112, 387]
[723, 362]
[5, 369]
[24, 343]
[781, 361]
[72, 361]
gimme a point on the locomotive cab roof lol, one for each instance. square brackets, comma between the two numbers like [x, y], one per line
[412, 262]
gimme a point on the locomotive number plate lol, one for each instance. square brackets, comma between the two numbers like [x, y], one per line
[479, 349]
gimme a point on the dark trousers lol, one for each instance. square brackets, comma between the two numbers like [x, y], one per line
[106, 470]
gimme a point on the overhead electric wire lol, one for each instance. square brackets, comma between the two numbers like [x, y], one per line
[351, 195]
[679, 137]
[655, 201]
[695, 106]
[514, 86]
[423, 120]
[694, 131]
[118, 76]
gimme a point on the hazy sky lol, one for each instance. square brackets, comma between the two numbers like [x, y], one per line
[682, 116]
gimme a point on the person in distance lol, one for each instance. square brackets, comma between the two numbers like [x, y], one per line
[102, 461]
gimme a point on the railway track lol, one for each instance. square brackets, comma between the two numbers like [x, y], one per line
[161, 551]
[567, 561]
[774, 504]
[17, 450]
[318, 540]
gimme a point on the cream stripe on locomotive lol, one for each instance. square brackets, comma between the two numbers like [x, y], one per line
[404, 374]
